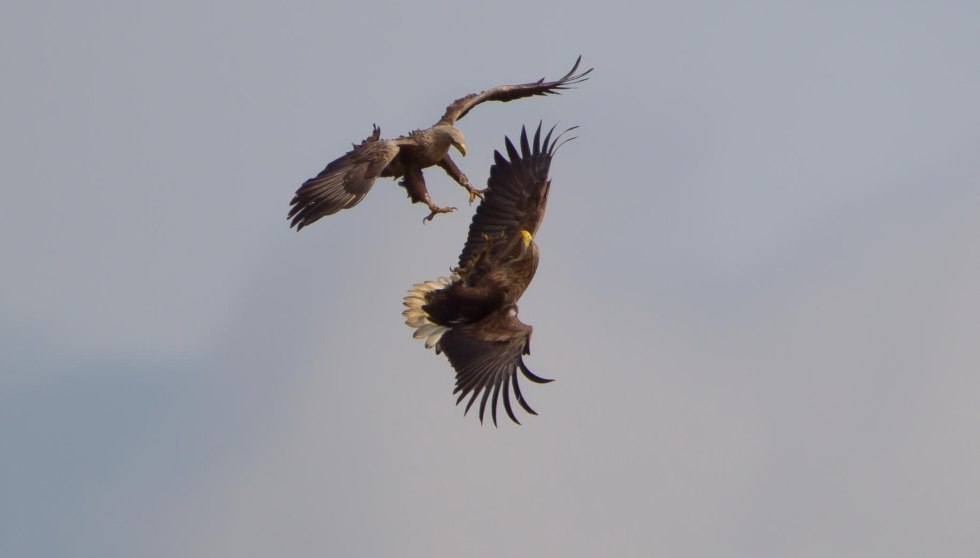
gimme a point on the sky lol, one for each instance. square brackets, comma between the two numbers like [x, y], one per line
[757, 290]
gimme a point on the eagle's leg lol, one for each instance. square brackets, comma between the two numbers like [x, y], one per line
[414, 183]
[452, 170]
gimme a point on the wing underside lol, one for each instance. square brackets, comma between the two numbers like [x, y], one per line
[343, 183]
[487, 362]
[503, 93]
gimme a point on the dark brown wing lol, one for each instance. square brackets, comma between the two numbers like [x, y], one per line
[504, 93]
[344, 182]
[516, 195]
[486, 356]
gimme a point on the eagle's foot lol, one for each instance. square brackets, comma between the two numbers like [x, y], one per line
[475, 193]
[435, 210]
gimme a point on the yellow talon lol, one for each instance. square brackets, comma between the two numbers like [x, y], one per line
[474, 193]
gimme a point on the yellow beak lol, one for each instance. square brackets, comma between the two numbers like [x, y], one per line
[462, 148]
[526, 238]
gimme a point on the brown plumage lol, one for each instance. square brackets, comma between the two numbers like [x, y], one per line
[345, 181]
[472, 315]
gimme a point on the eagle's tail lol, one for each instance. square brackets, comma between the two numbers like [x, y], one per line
[418, 318]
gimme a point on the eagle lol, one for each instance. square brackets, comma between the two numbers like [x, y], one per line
[471, 316]
[346, 180]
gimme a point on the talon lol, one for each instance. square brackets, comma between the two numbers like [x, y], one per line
[435, 211]
[474, 193]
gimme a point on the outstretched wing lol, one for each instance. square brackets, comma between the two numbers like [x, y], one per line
[344, 182]
[517, 193]
[486, 357]
[504, 93]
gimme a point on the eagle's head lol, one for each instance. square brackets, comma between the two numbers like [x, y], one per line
[449, 136]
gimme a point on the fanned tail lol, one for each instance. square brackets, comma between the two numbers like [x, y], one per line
[418, 318]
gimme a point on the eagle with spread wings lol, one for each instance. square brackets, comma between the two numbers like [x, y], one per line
[471, 316]
[345, 181]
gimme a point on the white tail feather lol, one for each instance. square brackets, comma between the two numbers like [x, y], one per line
[415, 315]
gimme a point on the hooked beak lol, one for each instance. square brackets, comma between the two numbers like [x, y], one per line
[461, 147]
[526, 239]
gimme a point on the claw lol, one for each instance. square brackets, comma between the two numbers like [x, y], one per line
[437, 210]
[474, 193]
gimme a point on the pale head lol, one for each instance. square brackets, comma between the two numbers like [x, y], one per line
[450, 136]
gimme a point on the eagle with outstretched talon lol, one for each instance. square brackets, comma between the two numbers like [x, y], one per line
[346, 180]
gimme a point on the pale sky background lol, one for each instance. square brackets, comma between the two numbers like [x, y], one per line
[758, 290]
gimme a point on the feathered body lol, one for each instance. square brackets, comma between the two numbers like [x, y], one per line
[471, 316]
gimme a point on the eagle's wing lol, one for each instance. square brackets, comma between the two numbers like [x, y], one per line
[504, 93]
[516, 195]
[344, 182]
[486, 356]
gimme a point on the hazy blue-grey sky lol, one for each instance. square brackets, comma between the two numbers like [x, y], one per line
[758, 290]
